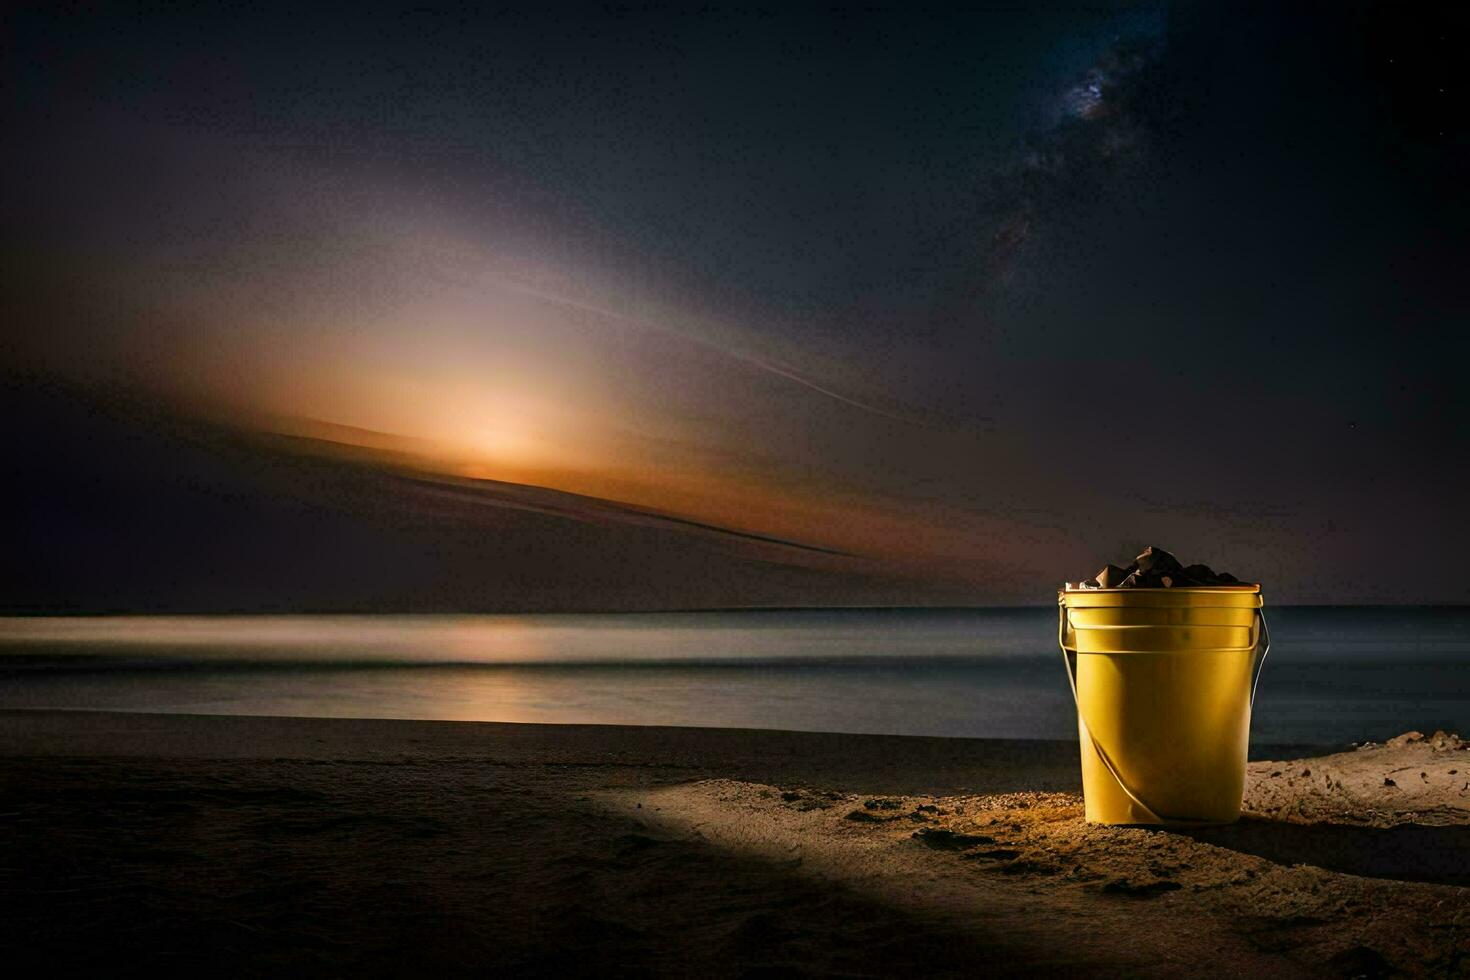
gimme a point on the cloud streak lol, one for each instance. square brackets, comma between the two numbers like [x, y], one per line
[758, 362]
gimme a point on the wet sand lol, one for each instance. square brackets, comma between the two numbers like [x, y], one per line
[248, 846]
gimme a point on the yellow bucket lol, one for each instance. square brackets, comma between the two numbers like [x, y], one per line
[1164, 681]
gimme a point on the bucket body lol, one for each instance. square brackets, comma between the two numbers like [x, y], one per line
[1164, 680]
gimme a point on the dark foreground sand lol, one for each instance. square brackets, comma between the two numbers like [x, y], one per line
[299, 846]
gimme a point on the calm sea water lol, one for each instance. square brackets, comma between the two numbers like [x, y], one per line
[1334, 675]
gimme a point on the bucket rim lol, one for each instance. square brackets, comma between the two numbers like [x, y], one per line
[1197, 596]
[1242, 588]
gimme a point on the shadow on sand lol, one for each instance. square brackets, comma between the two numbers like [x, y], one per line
[1410, 852]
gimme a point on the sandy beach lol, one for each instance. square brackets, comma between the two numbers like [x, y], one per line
[248, 846]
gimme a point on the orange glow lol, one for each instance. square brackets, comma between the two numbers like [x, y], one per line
[454, 375]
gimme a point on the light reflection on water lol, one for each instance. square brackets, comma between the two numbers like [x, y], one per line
[1335, 675]
[581, 638]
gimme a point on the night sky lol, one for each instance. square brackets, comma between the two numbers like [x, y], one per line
[991, 298]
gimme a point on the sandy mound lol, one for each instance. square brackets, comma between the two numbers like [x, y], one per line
[1351, 865]
[1411, 779]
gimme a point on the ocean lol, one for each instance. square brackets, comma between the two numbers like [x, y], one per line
[1334, 676]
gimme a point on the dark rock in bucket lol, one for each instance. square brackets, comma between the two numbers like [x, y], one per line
[1108, 578]
[1156, 561]
[1156, 568]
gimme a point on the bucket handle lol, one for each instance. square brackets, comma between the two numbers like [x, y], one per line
[1263, 647]
[1065, 631]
